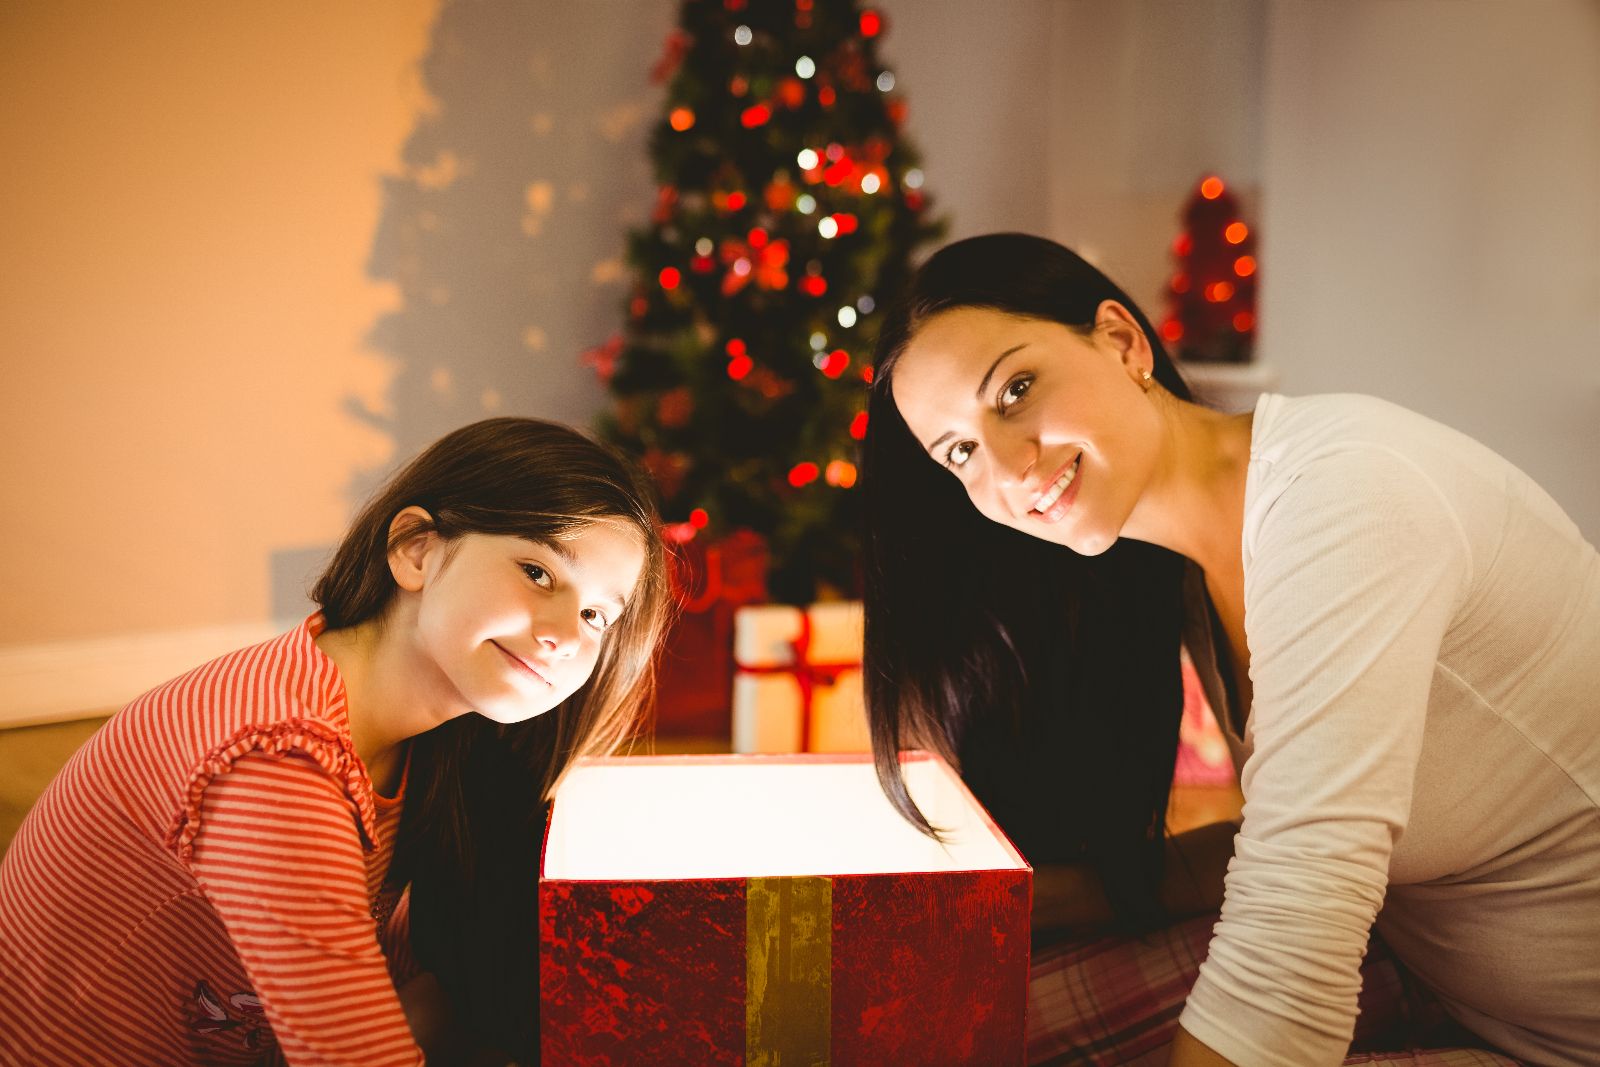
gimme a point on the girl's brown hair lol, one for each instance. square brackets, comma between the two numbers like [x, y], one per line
[471, 829]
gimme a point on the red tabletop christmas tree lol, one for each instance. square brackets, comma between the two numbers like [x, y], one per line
[787, 210]
[1212, 296]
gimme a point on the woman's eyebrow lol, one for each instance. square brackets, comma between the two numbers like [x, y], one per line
[983, 387]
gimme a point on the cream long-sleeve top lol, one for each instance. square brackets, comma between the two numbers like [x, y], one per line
[1423, 748]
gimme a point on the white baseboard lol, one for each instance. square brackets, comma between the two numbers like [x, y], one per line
[66, 680]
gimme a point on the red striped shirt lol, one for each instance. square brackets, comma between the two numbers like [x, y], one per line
[203, 882]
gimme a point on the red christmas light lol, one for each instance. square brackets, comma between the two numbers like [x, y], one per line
[698, 518]
[1180, 283]
[1244, 266]
[835, 363]
[847, 222]
[813, 285]
[866, 374]
[836, 173]
[736, 347]
[803, 474]
[1244, 322]
[681, 118]
[670, 277]
[757, 238]
[1211, 188]
[1236, 233]
[755, 116]
[871, 23]
[826, 96]
[739, 367]
[1172, 330]
[736, 200]
[858, 425]
[841, 473]
[1182, 245]
[702, 264]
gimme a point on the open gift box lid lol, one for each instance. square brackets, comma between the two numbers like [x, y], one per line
[675, 817]
[777, 909]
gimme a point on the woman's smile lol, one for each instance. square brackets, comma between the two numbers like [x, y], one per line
[1059, 495]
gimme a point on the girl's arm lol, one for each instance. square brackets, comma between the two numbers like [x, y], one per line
[1069, 897]
[279, 856]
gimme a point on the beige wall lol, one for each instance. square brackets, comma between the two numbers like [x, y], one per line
[188, 205]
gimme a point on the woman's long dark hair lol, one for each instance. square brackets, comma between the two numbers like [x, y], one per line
[1049, 678]
[472, 826]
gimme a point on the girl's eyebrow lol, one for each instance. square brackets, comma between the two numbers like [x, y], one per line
[572, 561]
[983, 387]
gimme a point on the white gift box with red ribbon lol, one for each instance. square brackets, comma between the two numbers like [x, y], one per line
[797, 681]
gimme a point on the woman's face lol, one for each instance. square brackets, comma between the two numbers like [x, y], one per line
[1050, 430]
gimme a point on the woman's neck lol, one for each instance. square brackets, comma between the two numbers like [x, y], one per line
[1194, 504]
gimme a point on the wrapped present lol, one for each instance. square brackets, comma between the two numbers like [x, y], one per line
[797, 685]
[695, 670]
[775, 910]
[1203, 757]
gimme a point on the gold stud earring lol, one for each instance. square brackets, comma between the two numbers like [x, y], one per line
[1146, 382]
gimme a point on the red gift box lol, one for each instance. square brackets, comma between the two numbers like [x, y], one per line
[775, 910]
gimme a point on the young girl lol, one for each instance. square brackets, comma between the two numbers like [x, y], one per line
[248, 862]
[1400, 634]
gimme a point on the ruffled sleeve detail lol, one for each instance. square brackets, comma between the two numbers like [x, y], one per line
[319, 740]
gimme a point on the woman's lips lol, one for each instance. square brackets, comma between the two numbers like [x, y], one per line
[520, 663]
[1055, 512]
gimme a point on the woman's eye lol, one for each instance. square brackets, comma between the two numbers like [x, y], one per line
[959, 453]
[538, 575]
[1015, 390]
[596, 619]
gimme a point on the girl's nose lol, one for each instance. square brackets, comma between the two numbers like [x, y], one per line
[559, 633]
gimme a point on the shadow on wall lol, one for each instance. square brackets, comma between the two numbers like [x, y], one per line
[504, 232]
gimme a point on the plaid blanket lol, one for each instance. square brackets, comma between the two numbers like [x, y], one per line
[1116, 1000]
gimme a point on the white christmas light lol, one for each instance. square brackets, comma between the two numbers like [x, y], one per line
[828, 227]
[741, 266]
[913, 179]
[742, 35]
[805, 67]
[869, 184]
[847, 316]
[819, 340]
[818, 359]
[885, 81]
[866, 304]
[807, 158]
[805, 203]
[704, 246]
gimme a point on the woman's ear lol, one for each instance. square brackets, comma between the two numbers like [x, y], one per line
[412, 534]
[1121, 330]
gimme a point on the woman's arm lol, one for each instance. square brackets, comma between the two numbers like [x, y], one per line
[1069, 897]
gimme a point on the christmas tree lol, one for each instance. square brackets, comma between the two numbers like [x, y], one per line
[1212, 296]
[787, 210]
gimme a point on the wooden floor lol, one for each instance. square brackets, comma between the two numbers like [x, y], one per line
[30, 756]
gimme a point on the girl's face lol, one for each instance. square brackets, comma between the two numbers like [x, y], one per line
[1050, 431]
[513, 627]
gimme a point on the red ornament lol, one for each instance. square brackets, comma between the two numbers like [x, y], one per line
[699, 519]
[813, 285]
[858, 425]
[755, 116]
[739, 367]
[871, 23]
[670, 277]
[736, 200]
[835, 363]
[675, 407]
[846, 221]
[803, 474]
[736, 347]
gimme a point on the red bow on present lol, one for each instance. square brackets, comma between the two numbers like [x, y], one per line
[807, 674]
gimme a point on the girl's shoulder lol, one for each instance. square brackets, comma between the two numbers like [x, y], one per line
[280, 697]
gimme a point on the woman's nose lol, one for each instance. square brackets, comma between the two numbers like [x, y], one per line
[1013, 456]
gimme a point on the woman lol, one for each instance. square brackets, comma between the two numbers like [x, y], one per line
[1400, 630]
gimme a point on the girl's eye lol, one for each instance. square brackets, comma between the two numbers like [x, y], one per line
[595, 618]
[538, 575]
[959, 453]
[1014, 391]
